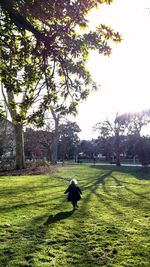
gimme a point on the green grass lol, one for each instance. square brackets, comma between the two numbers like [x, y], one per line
[110, 228]
[103, 161]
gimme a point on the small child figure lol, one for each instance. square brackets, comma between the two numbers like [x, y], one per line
[74, 193]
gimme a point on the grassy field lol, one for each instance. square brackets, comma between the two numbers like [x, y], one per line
[110, 228]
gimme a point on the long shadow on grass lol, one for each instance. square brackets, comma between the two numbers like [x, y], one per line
[87, 248]
[24, 243]
[22, 189]
[81, 252]
[138, 172]
[97, 182]
[119, 184]
[105, 199]
[10, 208]
[40, 238]
[126, 184]
[58, 217]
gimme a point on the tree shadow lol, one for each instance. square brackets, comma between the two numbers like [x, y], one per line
[138, 172]
[39, 234]
[58, 217]
[106, 199]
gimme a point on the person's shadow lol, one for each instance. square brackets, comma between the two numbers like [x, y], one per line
[59, 216]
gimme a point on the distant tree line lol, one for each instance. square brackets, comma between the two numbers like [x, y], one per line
[117, 141]
[123, 137]
[39, 143]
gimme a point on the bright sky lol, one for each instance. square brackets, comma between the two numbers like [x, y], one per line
[125, 75]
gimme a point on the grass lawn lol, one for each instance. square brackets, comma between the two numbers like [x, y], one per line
[110, 228]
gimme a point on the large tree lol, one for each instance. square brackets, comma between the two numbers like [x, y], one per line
[41, 45]
[37, 143]
[68, 140]
[124, 133]
[137, 121]
[113, 131]
[21, 78]
[143, 150]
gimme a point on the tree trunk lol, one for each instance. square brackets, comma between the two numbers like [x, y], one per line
[54, 150]
[20, 157]
[117, 145]
[54, 154]
[118, 159]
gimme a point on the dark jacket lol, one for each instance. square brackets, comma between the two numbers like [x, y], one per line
[73, 192]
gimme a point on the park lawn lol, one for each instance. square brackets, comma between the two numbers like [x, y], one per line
[110, 228]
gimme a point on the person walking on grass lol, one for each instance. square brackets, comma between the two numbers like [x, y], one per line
[74, 193]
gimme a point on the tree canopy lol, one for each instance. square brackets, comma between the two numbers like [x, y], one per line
[44, 54]
[56, 15]
[40, 43]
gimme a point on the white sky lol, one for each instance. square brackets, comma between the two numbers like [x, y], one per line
[125, 75]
